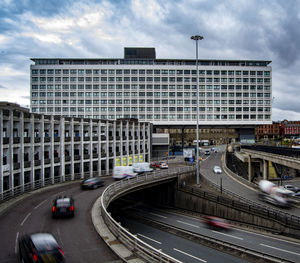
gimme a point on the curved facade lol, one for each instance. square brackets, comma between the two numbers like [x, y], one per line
[38, 149]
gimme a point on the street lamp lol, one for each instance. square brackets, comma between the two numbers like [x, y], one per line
[196, 38]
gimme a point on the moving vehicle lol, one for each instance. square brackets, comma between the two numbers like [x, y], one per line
[163, 165]
[92, 183]
[292, 188]
[40, 248]
[217, 169]
[121, 172]
[216, 222]
[207, 152]
[273, 194]
[141, 167]
[63, 207]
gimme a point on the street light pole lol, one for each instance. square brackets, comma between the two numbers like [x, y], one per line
[196, 38]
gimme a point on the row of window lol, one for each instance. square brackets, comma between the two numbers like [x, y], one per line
[169, 116]
[150, 87]
[150, 79]
[148, 72]
[163, 109]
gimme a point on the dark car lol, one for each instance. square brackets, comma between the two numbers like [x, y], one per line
[40, 248]
[63, 207]
[92, 183]
[216, 222]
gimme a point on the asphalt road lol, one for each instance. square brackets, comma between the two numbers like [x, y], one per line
[77, 237]
[272, 245]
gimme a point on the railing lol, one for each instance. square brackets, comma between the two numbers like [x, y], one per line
[114, 190]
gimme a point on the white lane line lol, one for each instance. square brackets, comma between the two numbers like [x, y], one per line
[16, 243]
[149, 238]
[28, 215]
[202, 260]
[240, 238]
[40, 204]
[187, 223]
[291, 252]
[157, 215]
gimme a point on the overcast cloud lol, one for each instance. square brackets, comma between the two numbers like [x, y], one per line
[263, 30]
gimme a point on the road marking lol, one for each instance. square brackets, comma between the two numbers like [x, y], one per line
[291, 252]
[240, 238]
[187, 223]
[149, 238]
[16, 243]
[202, 260]
[40, 204]
[157, 215]
[28, 215]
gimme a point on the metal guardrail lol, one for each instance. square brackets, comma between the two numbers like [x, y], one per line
[118, 188]
[28, 187]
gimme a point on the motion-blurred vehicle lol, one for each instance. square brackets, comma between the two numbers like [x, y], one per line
[217, 169]
[63, 207]
[122, 172]
[216, 222]
[141, 167]
[163, 165]
[273, 194]
[40, 248]
[92, 183]
[292, 188]
[207, 152]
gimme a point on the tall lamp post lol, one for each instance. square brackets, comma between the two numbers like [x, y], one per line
[196, 38]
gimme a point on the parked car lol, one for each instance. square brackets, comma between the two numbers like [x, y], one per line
[216, 222]
[40, 248]
[217, 169]
[63, 207]
[92, 183]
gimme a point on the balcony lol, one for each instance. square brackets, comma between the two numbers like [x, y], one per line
[95, 138]
[56, 139]
[118, 153]
[37, 162]
[130, 137]
[124, 138]
[67, 139]
[47, 161]
[56, 160]
[111, 138]
[37, 140]
[26, 139]
[118, 138]
[130, 152]
[76, 139]
[111, 154]
[103, 138]
[27, 164]
[67, 158]
[95, 155]
[86, 156]
[16, 140]
[47, 139]
[6, 140]
[87, 138]
[76, 157]
[124, 153]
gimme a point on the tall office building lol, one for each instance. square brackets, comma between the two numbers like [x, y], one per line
[161, 91]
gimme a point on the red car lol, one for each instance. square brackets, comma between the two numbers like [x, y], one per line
[216, 222]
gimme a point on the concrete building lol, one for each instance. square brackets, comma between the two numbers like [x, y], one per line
[38, 149]
[160, 91]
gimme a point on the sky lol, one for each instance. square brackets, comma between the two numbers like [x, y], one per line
[232, 29]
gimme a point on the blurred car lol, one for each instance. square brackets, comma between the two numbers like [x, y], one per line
[40, 248]
[92, 183]
[217, 170]
[292, 188]
[216, 222]
[155, 164]
[163, 165]
[63, 207]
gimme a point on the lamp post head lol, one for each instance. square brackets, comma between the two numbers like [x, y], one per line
[196, 37]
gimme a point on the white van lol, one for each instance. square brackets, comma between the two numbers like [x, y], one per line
[141, 167]
[121, 172]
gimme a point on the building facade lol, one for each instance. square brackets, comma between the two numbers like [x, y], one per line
[37, 149]
[160, 91]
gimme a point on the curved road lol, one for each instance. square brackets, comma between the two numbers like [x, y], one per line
[77, 237]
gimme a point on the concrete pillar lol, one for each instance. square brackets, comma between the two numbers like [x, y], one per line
[265, 171]
[249, 168]
[182, 138]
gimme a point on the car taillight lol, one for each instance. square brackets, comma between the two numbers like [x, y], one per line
[35, 257]
[71, 208]
[61, 251]
[91, 183]
[53, 208]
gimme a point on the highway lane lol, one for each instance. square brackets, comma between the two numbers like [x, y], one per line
[288, 249]
[177, 247]
[231, 184]
[77, 236]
